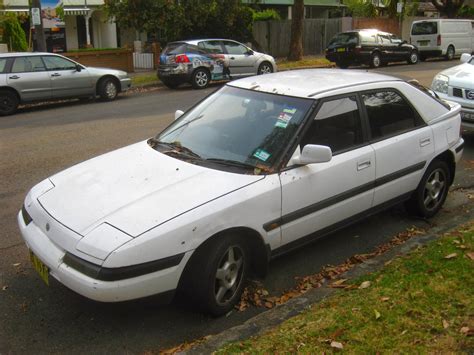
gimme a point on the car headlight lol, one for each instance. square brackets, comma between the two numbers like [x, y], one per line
[440, 83]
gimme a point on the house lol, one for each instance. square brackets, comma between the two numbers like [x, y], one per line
[70, 24]
[312, 8]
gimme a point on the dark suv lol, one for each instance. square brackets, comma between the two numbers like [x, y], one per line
[371, 47]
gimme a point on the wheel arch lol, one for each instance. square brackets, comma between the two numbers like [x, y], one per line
[12, 90]
[448, 157]
[259, 251]
[107, 76]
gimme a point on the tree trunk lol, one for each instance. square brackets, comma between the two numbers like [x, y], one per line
[296, 42]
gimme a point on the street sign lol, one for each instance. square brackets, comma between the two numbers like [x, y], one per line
[35, 16]
[399, 7]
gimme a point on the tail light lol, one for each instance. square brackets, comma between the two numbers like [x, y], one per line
[181, 58]
[438, 40]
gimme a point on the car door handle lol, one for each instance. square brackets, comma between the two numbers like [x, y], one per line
[14, 77]
[56, 74]
[425, 141]
[364, 165]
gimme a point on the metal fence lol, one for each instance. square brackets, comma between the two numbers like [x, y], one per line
[274, 36]
[143, 60]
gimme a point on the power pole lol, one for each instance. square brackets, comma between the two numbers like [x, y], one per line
[40, 40]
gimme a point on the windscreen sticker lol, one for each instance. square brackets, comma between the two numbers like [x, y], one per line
[261, 154]
[285, 116]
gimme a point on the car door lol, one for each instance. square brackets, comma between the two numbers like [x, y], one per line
[401, 50]
[29, 77]
[324, 195]
[241, 60]
[387, 48]
[66, 80]
[402, 142]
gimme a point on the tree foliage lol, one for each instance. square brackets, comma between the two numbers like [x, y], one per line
[13, 33]
[184, 19]
[361, 8]
[448, 8]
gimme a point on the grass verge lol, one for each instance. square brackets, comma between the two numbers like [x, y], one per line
[420, 303]
[305, 62]
[143, 79]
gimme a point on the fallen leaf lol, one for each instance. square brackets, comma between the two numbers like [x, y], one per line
[4, 288]
[268, 304]
[339, 282]
[404, 332]
[470, 255]
[336, 345]
[451, 256]
[445, 324]
[377, 314]
[16, 264]
[385, 299]
[465, 330]
[455, 241]
[364, 284]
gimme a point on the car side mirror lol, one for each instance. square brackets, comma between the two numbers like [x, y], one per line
[313, 153]
[78, 68]
[178, 114]
[250, 52]
[465, 57]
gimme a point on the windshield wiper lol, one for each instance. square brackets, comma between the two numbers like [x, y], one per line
[229, 162]
[178, 148]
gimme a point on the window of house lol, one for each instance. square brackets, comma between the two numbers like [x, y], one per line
[27, 64]
[389, 114]
[336, 125]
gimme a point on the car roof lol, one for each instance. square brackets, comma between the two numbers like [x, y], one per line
[310, 82]
[196, 41]
[23, 54]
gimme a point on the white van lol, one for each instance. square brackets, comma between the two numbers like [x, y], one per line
[442, 37]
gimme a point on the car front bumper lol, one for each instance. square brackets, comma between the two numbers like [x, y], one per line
[125, 84]
[50, 254]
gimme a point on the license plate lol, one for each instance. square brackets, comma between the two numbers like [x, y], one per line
[423, 43]
[41, 268]
[341, 50]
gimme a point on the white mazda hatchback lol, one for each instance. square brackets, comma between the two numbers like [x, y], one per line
[261, 166]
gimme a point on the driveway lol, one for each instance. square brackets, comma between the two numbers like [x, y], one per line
[39, 141]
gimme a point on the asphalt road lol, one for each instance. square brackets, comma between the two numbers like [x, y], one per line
[39, 141]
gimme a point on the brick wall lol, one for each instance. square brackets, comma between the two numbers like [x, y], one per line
[381, 24]
[116, 59]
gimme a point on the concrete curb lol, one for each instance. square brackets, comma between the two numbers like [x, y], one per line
[273, 317]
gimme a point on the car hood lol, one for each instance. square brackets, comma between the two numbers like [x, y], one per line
[104, 71]
[134, 189]
[461, 76]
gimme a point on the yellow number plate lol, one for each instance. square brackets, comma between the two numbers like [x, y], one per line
[341, 49]
[41, 268]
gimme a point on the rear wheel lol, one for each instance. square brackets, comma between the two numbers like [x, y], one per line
[449, 53]
[375, 60]
[413, 58]
[8, 103]
[201, 78]
[216, 275]
[431, 193]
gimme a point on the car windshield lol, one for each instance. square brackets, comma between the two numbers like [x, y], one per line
[424, 28]
[345, 38]
[237, 127]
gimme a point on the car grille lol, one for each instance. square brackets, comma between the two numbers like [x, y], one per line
[457, 92]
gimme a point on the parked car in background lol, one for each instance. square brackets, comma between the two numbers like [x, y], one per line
[457, 84]
[198, 62]
[442, 37]
[258, 168]
[371, 47]
[28, 77]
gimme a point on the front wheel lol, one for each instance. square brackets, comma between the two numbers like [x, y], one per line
[8, 103]
[431, 193]
[108, 89]
[375, 61]
[217, 274]
[201, 78]
[413, 58]
[264, 68]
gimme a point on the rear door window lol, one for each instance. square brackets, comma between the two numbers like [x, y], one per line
[235, 48]
[368, 37]
[424, 28]
[28, 64]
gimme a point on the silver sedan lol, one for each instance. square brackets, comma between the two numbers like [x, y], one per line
[27, 77]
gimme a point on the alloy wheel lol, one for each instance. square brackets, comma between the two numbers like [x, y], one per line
[201, 78]
[265, 69]
[229, 274]
[111, 90]
[434, 189]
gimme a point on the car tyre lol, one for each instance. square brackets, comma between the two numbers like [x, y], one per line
[217, 273]
[431, 193]
[413, 58]
[108, 89]
[8, 103]
[449, 53]
[264, 68]
[201, 78]
[342, 65]
[375, 60]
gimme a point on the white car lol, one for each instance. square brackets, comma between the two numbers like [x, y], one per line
[258, 168]
[457, 84]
